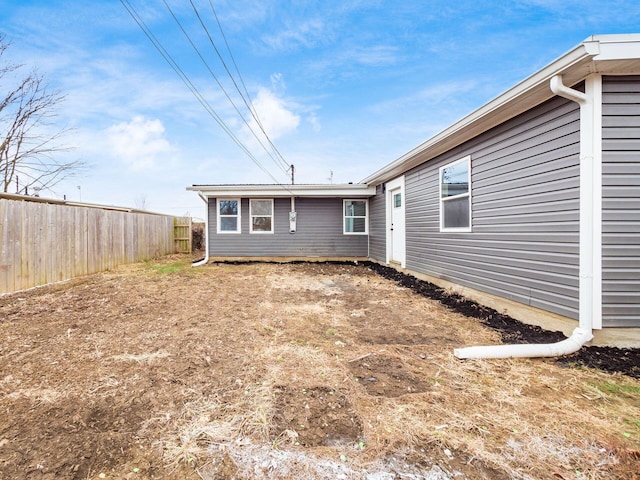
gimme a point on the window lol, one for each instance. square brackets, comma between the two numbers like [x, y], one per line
[355, 217]
[397, 200]
[455, 196]
[228, 215]
[261, 212]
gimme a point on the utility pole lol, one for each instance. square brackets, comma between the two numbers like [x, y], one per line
[293, 169]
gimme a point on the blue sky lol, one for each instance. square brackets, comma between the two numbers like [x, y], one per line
[341, 87]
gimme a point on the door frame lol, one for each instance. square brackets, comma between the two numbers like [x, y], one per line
[393, 185]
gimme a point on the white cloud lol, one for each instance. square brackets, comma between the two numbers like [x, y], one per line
[277, 82]
[305, 34]
[140, 143]
[373, 56]
[274, 114]
[430, 96]
[312, 119]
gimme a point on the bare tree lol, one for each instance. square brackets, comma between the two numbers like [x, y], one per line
[27, 144]
[141, 202]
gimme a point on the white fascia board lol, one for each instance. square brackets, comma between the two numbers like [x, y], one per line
[526, 94]
[621, 58]
[358, 190]
[617, 47]
[618, 51]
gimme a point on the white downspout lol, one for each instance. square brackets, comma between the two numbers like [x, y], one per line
[590, 284]
[205, 260]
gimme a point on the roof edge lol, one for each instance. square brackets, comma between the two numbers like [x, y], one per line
[486, 116]
[275, 190]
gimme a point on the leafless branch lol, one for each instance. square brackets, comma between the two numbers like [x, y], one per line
[27, 144]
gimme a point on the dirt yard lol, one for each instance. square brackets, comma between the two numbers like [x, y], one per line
[297, 371]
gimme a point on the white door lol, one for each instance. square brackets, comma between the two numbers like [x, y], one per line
[397, 226]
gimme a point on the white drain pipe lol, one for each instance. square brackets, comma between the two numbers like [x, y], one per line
[205, 260]
[590, 287]
[569, 345]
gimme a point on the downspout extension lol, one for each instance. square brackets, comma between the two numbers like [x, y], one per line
[569, 345]
[584, 332]
[205, 260]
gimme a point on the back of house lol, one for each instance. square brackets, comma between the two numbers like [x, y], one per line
[530, 204]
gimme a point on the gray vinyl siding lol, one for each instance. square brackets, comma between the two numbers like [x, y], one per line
[621, 202]
[377, 225]
[525, 212]
[319, 232]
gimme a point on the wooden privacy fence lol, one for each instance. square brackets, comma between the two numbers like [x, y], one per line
[182, 234]
[42, 242]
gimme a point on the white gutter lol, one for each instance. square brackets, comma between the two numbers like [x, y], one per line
[531, 91]
[205, 260]
[590, 284]
[351, 190]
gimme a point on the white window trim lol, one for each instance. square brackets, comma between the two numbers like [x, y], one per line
[455, 197]
[218, 216]
[251, 215]
[345, 216]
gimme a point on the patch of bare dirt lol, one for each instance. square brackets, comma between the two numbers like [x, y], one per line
[382, 375]
[318, 416]
[251, 371]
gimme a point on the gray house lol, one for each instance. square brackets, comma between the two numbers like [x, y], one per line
[287, 221]
[530, 204]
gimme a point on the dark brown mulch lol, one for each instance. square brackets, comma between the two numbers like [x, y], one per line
[610, 359]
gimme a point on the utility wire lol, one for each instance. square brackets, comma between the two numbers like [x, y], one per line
[233, 60]
[195, 48]
[185, 79]
[246, 95]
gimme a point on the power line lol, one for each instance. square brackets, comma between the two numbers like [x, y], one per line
[248, 103]
[188, 37]
[224, 37]
[185, 79]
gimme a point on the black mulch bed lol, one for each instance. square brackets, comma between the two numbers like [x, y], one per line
[610, 359]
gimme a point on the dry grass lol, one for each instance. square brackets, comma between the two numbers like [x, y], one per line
[142, 357]
[481, 410]
[523, 418]
[248, 371]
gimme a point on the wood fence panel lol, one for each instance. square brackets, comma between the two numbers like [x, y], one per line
[46, 253]
[141, 236]
[16, 245]
[79, 241]
[182, 233]
[90, 241]
[7, 262]
[47, 242]
[4, 239]
[21, 266]
[41, 245]
[57, 244]
[129, 242]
